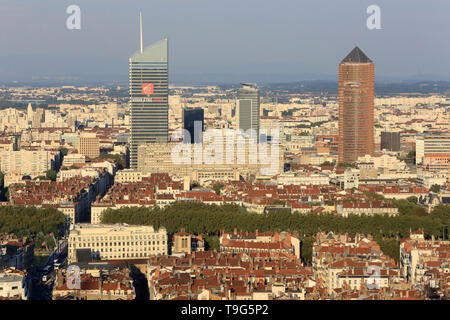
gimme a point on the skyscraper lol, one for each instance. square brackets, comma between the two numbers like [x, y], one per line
[149, 90]
[248, 107]
[356, 106]
[190, 117]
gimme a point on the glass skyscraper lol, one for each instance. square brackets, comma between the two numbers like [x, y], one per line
[190, 117]
[149, 91]
[248, 107]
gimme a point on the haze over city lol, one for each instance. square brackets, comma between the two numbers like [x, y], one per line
[224, 41]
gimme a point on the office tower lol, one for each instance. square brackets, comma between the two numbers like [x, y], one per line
[190, 117]
[356, 106]
[390, 141]
[248, 107]
[149, 91]
[89, 145]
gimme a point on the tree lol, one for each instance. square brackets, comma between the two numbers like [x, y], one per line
[412, 199]
[327, 164]
[217, 187]
[347, 165]
[51, 174]
[411, 155]
[121, 162]
[435, 188]
[63, 151]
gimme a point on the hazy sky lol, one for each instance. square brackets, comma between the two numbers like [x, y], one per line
[225, 39]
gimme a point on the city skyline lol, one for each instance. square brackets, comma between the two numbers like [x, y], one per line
[214, 172]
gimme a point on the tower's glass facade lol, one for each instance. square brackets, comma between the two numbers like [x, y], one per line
[248, 107]
[190, 117]
[149, 93]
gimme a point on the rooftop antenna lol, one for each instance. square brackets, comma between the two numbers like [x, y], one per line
[140, 31]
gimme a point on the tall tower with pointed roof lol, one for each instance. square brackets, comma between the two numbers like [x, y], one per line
[356, 106]
[149, 95]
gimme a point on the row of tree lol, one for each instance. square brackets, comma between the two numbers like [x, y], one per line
[210, 220]
[200, 218]
[33, 222]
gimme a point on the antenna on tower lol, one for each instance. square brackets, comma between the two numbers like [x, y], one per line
[140, 31]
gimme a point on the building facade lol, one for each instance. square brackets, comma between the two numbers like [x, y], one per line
[89, 145]
[149, 91]
[248, 101]
[356, 106]
[117, 242]
[190, 117]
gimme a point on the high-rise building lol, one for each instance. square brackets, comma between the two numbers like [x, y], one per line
[390, 141]
[248, 107]
[89, 145]
[149, 93]
[356, 106]
[193, 117]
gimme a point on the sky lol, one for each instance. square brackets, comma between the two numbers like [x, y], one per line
[225, 40]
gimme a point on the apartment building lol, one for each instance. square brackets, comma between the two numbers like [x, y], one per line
[89, 145]
[28, 162]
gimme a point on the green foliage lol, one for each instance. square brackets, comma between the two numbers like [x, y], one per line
[30, 221]
[200, 218]
[435, 188]
[64, 151]
[412, 199]
[211, 242]
[347, 165]
[327, 164]
[217, 187]
[306, 250]
[317, 124]
[373, 195]
[441, 213]
[411, 155]
[390, 247]
[51, 175]
[409, 208]
[121, 161]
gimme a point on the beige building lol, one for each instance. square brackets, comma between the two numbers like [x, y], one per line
[89, 145]
[117, 242]
[208, 162]
[27, 162]
[182, 243]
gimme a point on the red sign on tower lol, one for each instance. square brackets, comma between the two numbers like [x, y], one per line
[147, 89]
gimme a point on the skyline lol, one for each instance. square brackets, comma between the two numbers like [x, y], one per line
[269, 45]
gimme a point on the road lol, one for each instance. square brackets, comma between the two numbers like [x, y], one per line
[42, 290]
